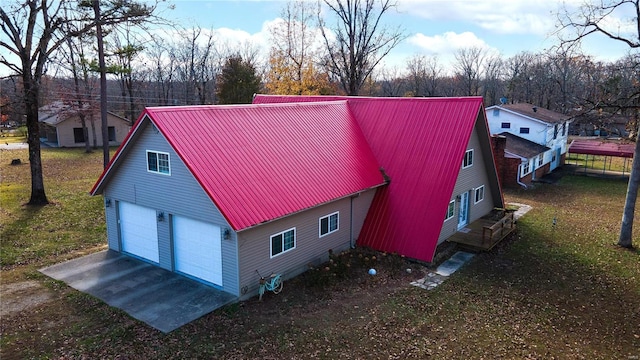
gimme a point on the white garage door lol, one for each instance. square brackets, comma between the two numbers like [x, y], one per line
[139, 231]
[197, 249]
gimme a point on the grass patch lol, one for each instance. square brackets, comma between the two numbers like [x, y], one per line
[600, 162]
[74, 220]
[18, 135]
[563, 291]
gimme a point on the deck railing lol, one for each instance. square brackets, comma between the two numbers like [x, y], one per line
[499, 230]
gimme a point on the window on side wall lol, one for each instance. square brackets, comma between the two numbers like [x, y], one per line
[524, 130]
[525, 169]
[479, 194]
[505, 125]
[450, 210]
[564, 129]
[78, 135]
[158, 162]
[468, 159]
[540, 160]
[329, 224]
[283, 242]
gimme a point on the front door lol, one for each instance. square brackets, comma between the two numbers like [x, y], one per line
[463, 215]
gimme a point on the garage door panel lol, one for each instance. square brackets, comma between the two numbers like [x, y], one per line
[139, 231]
[197, 249]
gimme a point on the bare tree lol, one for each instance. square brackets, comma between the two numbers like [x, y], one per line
[392, 84]
[80, 95]
[424, 75]
[161, 70]
[468, 69]
[492, 79]
[294, 53]
[358, 41]
[593, 18]
[34, 30]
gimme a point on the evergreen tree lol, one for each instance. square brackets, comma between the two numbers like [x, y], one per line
[238, 81]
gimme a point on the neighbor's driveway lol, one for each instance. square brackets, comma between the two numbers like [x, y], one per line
[162, 299]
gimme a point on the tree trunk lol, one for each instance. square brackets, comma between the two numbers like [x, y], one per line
[103, 85]
[31, 90]
[626, 229]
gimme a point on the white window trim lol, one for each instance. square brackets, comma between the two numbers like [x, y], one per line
[465, 158]
[453, 213]
[522, 172]
[328, 217]
[475, 193]
[158, 152]
[295, 242]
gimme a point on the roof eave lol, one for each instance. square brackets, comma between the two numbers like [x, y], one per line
[106, 173]
[529, 117]
[357, 193]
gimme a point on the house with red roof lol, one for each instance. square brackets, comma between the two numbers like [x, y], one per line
[220, 193]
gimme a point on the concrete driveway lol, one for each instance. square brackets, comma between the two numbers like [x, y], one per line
[162, 299]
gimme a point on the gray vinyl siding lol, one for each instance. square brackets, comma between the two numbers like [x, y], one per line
[175, 194]
[360, 209]
[471, 178]
[113, 233]
[254, 244]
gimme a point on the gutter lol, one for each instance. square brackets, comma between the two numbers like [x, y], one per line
[518, 179]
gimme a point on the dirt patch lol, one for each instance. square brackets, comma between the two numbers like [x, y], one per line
[17, 297]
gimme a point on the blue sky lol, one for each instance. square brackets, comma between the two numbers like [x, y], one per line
[432, 27]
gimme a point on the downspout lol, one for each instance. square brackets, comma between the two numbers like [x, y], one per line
[518, 179]
[352, 244]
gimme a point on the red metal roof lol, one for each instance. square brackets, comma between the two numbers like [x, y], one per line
[262, 162]
[597, 147]
[420, 142]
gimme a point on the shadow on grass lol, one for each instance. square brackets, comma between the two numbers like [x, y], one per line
[15, 234]
[550, 292]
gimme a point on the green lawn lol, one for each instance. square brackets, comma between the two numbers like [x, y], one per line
[14, 136]
[598, 162]
[564, 291]
[73, 221]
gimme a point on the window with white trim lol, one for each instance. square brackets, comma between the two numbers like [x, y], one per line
[525, 169]
[451, 210]
[283, 242]
[468, 159]
[540, 160]
[479, 194]
[329, 224]
[158, 162]
[505, 125]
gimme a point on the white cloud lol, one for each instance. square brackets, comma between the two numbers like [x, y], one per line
[499, 16]
[446, 43]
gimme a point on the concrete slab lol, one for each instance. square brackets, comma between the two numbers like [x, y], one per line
[452, 264]
[522, 210]
[162, 299]
[448, 267]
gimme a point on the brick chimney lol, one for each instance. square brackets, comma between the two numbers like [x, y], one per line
[498, 145]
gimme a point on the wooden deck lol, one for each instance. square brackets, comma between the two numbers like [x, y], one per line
[484, 234]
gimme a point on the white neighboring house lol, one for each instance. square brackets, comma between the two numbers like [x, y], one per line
[539, 125]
